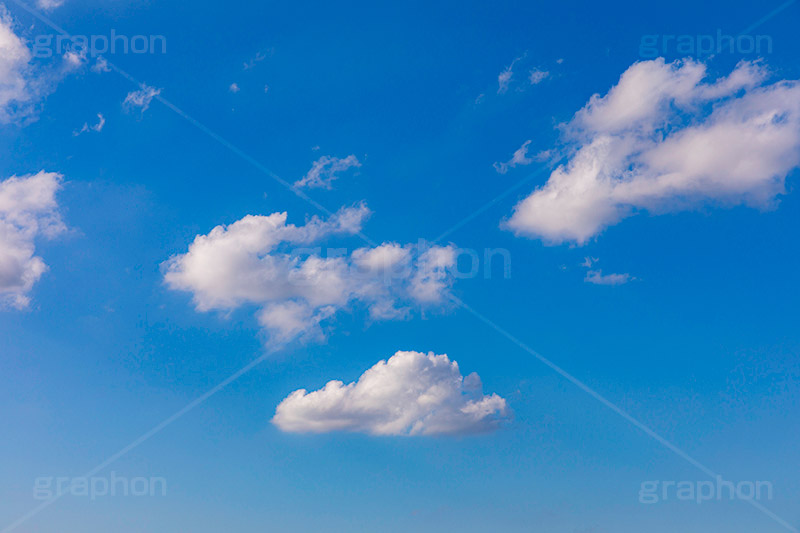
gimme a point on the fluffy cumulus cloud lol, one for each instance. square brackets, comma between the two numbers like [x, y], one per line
[410, 394]
[263, 261]
[28, 210]
[665, 138]
[16, 91]
[326, 169]
[25, 83]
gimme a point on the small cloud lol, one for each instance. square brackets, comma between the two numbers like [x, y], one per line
[266, 88]
[100, 65]
[141, 99]
[101, 121]
[519, 158]
[596, 277]
[49, 5]
[326, 169]
[537, 76]
[234, 88]
[589, 261]
[258, 58]
[74, 60]
[504, 78]
[480, 98]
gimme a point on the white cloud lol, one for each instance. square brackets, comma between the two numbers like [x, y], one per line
[28, 210]
[504, 78]
[519, 158]
[410, 394]
[259, 57]
[100, 65]
[49, 5]
[101, 121]
[74, 60]
[264, 262]
[16, 91]
[537, 76]
[141, 98]
[24, 83]
[234, 88]
[325, 169]
[664, 140]
[596, 277]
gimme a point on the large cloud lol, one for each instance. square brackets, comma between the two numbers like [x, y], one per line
[663, 139]
[15, 91]
[410, 394]
[23, 82]
[265, 262]
[28, 209]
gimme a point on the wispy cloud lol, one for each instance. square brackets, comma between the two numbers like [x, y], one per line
[519, 158]
[504, 78]
[98, 127]
[100, 65]
[141, 98]
[49, 5]
[596, 277]
[258, 58]
[325, 170]
[537, 76]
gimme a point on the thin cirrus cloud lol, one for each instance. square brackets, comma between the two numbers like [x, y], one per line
[140, 99]
[537, 76]
[49, 5]
[411, 394]
[97, 127]
[265, 263]
[664, 140]
[596, 277]
[520, 158]
[28, 211]
[504, 78]
[325, 170]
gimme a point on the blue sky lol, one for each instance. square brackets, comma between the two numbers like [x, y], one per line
[651, 231]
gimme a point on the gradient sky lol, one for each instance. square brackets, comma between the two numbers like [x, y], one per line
[684, 316]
